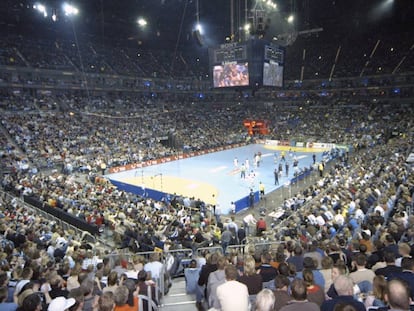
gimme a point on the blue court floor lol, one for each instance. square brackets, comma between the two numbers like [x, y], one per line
[215, 179]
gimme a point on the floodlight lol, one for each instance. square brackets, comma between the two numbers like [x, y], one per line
[290, 19]
[199, 28]
[70, 9]
[247, 27]
[142, 22]
[40, 8]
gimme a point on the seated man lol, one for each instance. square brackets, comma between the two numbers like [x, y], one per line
[299, 295]
[344, 286]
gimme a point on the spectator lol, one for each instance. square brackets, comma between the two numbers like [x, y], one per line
[299, 295]
[106, 302]
[265, 300]
[345, 289]
[390, 267]
[250, 278]
[407, 274]
[297, 258]
[362, 273]
[377, 297]
[215, 279]
[282, 297]
[6, 306]
[267, 272]
[112, 282]
[315, 293]
[232, 295]
[398, 296]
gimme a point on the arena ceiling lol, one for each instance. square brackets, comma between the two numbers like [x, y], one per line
[171, 22]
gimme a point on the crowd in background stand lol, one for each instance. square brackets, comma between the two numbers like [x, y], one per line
[355, 223]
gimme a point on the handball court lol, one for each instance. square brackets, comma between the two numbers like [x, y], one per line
[215, 178]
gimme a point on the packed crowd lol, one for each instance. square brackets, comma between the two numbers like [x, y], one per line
[362, 206]
[379, 55]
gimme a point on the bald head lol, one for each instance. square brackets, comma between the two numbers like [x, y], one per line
[344, 285]
[398, 295]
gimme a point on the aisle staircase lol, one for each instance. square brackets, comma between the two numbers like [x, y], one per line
[177, 299]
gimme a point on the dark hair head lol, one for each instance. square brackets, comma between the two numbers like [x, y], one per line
[308, 263]
[281, 281]
[31, 302]
[142, 276]
[308, 277]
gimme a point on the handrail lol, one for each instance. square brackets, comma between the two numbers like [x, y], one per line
[66, 226]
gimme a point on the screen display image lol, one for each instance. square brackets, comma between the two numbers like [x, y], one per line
[272, 74]
[231, 74]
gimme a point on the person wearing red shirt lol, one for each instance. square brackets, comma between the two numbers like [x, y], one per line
[260, 226]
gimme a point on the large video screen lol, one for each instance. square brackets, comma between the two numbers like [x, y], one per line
[272, 74]
[231, 74]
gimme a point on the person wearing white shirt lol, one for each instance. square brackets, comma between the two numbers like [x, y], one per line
[232, 295]
[247, 221]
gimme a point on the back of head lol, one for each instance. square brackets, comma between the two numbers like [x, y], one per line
[265, 300]
[106, 302]
[299, 291]
[221, 262]
[112, 278]
[298, 250]
[87, 286]
[389, 257]
[142, 276]
[398, 295]
[327, 262]
[407, 263]
[249, 266]
[281, 281]
[361, 260]
[308, 263]
[308, 277]
[31, 302]
[121, 295]
[266, 257]
[344, 285]
[214, 257]
[344, 307]
[231, 272]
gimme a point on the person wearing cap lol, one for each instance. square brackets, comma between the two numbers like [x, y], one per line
[61, 304]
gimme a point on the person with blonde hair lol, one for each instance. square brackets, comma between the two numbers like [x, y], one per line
[250, 278]
[379, 289]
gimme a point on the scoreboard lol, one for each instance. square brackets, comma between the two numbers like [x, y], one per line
[274, 53]
[253, 63]
[230, 52]
[273, 65]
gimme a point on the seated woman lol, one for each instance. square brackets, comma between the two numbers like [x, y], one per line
[249, 277]
[377, 297]
[316, 294]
